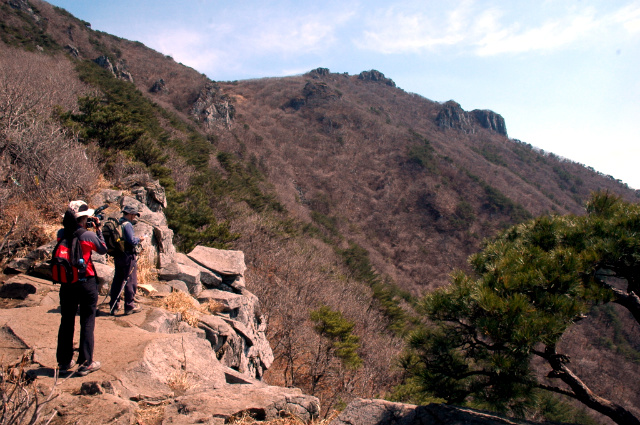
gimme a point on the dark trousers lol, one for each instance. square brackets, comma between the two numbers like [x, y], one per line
[85, 295]
[126, 266]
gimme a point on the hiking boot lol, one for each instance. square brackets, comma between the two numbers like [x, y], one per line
[85, 370]
[66, 367]
[136, 309]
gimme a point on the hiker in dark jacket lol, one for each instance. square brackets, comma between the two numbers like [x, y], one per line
[83, 293]
[126, 265]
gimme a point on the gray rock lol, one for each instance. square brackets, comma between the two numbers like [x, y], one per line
[105, 275]
[224, 262]
[19, 265]
[159, 320]
[208, 278]
[217, 331]
[101, 408]
[490, 120]
[162, 288]
[147, 191]
[106, 196]
[376, 76]
[213, 107]
[453, 116]
[228, 300]
[97, 258]
[182, 358]
[265, 403]
[28, 262]
[382, 412]
[189, 275]
[178, 285]
[158, 87]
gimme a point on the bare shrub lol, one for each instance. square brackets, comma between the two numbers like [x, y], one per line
[31, 84]
[181, 172]
[41, 166]
[121, 166]
[21, 402]
[44, 161]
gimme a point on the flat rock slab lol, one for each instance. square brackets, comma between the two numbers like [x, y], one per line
[207, 277]
[382, 412]
[228, 299]
[141, 363]
[96, 409]
[264, 403]
[224, 262]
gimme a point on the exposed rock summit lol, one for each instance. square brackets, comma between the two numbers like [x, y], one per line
[453, 116]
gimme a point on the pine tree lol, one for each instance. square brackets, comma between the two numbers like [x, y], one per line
[533, 282]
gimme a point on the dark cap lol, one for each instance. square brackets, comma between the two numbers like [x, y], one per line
[130, 209]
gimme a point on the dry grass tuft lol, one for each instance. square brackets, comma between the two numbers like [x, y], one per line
[189, 309]
[247, 419]
[150, 415]
[146, 272]
[180, 302]
[181, 381]
[212, 307]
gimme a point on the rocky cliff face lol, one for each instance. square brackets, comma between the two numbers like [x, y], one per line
[453, 116]
[210, 368]
[212, 107]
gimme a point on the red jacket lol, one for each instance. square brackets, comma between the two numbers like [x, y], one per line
[89, 242]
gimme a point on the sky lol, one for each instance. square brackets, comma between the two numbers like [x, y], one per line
[564, 74]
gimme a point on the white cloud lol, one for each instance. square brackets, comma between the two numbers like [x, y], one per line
[475, 27]
[399, 31]
[549, 36]
[292, 37]
[190, 47]
[629, 17]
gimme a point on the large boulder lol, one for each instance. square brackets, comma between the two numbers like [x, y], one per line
[105, 275]
[189, 275]
[224, 262]
[208, 278]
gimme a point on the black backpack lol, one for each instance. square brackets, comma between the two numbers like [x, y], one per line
[67, 263]
[112, 233]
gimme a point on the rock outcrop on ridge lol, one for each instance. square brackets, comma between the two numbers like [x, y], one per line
[452, 115]
[204, 372]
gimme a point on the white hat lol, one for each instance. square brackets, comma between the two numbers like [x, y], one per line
[80, 209]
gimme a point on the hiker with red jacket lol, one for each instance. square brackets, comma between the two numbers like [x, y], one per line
[83, 293]
[126, 265]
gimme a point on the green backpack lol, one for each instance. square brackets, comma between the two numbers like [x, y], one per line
[112, 233]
